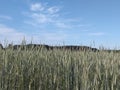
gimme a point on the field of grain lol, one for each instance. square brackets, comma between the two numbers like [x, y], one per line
[59, 70]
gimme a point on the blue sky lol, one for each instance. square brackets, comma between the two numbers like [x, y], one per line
[54, 22]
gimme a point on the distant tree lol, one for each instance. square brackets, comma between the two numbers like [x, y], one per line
[1, 47]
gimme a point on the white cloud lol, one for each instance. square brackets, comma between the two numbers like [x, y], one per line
[53, 10]
[5, 17]
[11, 34]
[40, 18]
[50, 15]
[37, 7]
[49, 22]
[44, 14]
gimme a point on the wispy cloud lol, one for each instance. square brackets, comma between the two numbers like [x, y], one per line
[11, 34]
[53, 10]
[5, 17]
[42, 14]
[51, 23]
[40, 18]
[37, 7]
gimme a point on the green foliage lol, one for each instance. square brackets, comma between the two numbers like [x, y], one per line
[59, 70]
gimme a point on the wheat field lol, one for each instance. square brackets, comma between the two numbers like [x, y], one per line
[56, 69]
